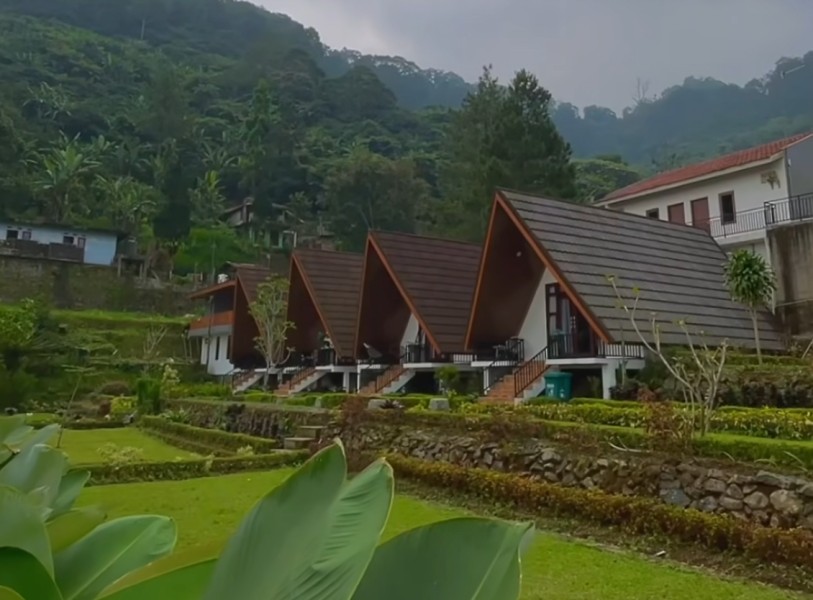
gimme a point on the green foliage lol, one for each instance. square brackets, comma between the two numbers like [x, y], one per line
[148, 393]
[640, 515]
[175, 470]
[122, 406]
[366, 191]
[108, 559]
[751, 282]
[214, 439]
[502, 136]
[119, 455]
[597, 177]
[200, 390]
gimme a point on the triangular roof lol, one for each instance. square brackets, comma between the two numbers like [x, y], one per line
[436, 279]
[250, 277]
[735, 160]
[678, 270]
[333, 280]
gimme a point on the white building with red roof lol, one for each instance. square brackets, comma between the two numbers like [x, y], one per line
[760, 199]
[735, 197]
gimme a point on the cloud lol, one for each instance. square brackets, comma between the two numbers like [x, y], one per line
[583, 51]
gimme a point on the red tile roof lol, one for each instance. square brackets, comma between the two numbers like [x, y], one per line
[721, 163]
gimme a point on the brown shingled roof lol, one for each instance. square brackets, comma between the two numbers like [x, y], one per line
[678, 269]
[250, 277]
[333, 280]
[437, 276]
[733, 160]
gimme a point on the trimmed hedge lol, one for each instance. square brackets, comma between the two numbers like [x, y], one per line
[211, 438]
[105, 474]
[511, 425]
[788, 424]
[40, 420]
[643, 516]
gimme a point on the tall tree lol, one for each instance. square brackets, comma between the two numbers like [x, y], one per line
[501, 137]
[270, 312]
[366, 191]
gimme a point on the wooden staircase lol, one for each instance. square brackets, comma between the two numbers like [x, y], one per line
[286, 388]
[511, 387]
[382, 381]
[244, 380]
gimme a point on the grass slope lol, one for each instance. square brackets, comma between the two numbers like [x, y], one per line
[554, 568]
[82, 446]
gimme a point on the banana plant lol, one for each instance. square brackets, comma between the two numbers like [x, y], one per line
[315, 537]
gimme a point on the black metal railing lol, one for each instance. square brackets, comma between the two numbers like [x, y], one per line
[529, 371]
[795, 208]
[741, 222]
[573, 345]
[325, 357]
[418, 353]
[510, 351]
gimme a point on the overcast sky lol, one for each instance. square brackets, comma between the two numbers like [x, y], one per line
[583, 51]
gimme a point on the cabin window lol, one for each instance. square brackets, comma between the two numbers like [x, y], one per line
[80, 241]
[27, 234]
[728, 212]
[12, 234]
[653, 213]
[217, 348]
[68, 240]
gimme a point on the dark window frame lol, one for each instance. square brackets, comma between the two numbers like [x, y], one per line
[15, 236]
[653, 213]
[729, 217]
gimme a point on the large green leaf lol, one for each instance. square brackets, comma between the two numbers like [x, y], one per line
[9, 594]
[111, 551]
[40, 436]
[459, 559]
[21, 526]
[72, 526]
[187, 582]
[38, 466]
[10, 425]
[70, 487]
[25, 575]
[197, 563]
[309, 539]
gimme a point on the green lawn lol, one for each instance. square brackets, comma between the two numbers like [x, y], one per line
[554, 568]
[82, 446]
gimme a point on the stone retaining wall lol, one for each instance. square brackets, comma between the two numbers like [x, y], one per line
[766, 498]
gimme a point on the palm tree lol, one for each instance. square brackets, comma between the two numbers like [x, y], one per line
[750, 282]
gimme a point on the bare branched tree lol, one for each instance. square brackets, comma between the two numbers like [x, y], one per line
[697, 375]
[152, 341]
[270, 312]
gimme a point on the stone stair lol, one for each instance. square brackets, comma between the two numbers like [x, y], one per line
[396, 375]
[245, 380]
[301, 380]
[504, 391]
[305, 436]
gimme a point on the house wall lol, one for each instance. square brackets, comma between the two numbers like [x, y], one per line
[750, 194]
[792, 253]
[800, 168]
[100, 248]
[216, 357]
[534, 328]
[410, 331]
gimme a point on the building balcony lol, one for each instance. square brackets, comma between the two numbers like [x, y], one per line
[218, 320]
[772, 214]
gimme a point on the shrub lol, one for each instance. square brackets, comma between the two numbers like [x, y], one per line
[122, 406]
[115, 388]
[119, 455]
[638, 515]
[199, 390]
[213, 438]
[149, 396]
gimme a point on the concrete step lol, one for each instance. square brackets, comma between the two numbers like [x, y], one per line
[312, 432]
[297, 443]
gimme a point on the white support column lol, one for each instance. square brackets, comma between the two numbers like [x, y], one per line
[346, 381]
[608, 377]
[486, 378]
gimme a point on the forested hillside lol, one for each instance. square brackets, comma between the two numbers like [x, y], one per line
[152, 116]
